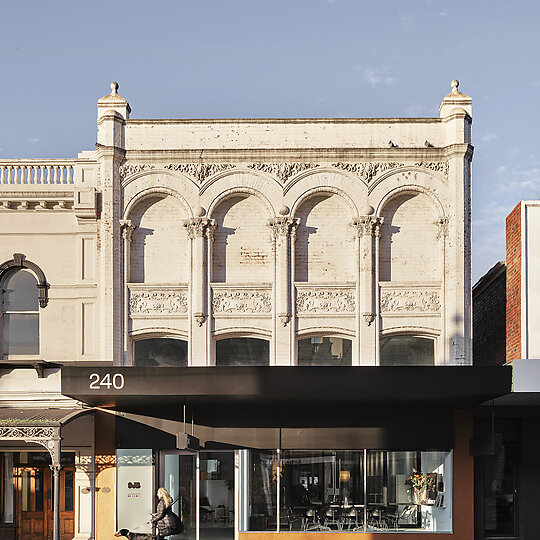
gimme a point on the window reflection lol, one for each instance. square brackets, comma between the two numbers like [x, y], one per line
[324, 351]
[242, 352]
[407, 351]
[160, 352]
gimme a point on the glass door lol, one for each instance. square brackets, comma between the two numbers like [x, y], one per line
[177, 476]
[216, 495]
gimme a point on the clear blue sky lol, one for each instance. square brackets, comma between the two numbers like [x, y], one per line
[281, 58]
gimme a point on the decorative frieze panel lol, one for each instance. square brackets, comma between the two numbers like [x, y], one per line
[153, 302]
[130, 169]
[283, 171]
[26, 432]
[368, 170]
[200, 171]
[241, 301]
[325, 301]
[410, 301]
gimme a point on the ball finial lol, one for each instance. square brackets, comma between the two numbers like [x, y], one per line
[114, 88]
[284, 210]
[199, 211]
[455, 85]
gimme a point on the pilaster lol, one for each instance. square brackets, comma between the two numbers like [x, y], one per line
[367, 230]
[283, 228]
[200, 231]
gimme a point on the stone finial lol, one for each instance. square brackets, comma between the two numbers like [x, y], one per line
[113, 102]
[455, 100]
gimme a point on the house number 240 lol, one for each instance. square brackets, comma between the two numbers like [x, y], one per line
[97, 383]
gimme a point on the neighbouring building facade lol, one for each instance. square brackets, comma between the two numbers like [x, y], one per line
[271, 318]
[507, 429]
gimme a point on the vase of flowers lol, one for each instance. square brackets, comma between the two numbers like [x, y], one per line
[417, 483]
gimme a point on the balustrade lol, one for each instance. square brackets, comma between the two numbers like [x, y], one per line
[36, 172]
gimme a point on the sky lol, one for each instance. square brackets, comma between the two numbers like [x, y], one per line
[282, 58]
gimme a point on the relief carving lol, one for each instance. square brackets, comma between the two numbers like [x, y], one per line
[369, 170]
[157, 303]
[438, 166]
[199, 227]
[283, 226]
[200, 171]
[241, 302]
[403, 301]
[128, 170]
[325, 301]
[283, 171]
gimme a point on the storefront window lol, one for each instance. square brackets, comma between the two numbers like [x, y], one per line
[407, 351]
[242, 352]
[409, 490]
[324, 351]
[160, 352]
[258, 490]
[346, 491]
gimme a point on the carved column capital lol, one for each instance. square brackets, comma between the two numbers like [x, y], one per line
[283, 226]
[200, 227]
[127, 228]
[367, 225]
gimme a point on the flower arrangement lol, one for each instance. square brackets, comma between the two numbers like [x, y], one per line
[417, 482]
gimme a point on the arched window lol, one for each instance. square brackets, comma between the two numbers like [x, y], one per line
[242, 351]
[160, 352]
[20, 313]
[407, 350]
[324, 351]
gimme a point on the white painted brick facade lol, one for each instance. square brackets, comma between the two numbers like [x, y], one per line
[352, 227]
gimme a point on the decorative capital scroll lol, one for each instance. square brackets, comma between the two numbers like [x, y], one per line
[129, 169]
[282, 170]
[368, 318]
[199, 318]
[367, 225]
[200, 227]
[284, 319]
[283, 226]
[127, 228]
[442, 224]
[200, 171]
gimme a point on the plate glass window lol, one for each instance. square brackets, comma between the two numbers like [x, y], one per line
[20, 314]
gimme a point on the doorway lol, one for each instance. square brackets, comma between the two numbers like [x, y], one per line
[33, 502]
[202, 486]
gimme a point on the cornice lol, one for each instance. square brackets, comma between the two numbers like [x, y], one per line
[465, 150]
[204, 121]
[273, 155]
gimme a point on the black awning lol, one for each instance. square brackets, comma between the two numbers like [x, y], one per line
[285, 396]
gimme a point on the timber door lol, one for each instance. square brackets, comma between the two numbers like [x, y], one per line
[34, 503]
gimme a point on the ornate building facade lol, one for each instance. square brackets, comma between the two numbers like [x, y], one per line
[243, 244]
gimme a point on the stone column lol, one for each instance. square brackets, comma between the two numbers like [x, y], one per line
[113, 110]
[367, 230]
[200, 231]
[283, 227]
[126, 228]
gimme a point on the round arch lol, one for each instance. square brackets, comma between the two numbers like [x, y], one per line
[153, 192]
[19, 261]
